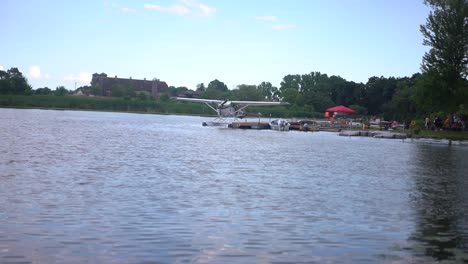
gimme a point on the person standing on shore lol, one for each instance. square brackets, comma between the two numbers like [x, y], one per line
[427, 122]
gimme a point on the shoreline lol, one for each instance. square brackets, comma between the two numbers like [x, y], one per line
[403, 136]
[451, 136]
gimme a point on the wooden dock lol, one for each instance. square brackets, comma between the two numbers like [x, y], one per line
[307, 126]
[249, 125]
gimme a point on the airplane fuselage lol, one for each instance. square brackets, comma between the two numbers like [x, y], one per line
[227, 111]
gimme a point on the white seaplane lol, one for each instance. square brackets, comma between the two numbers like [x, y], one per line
[226, 109]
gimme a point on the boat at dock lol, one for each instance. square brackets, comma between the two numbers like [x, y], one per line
[304, 125]
[249, 125]
[279, 125]
[215, 123]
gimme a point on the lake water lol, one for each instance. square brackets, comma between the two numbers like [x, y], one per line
[94, 187]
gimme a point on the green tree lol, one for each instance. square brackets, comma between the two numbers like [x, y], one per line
[12, 72]
[143, 96]
[5, 86]
[379, 91]
[445, 65]
[359, 109]
[172, 91]
[181, 89]
[248, 93]
[60, 91]
[292, 96]
[402, 106]
[291, 81]
[290, 89]
[317, 89]
[216, 90]
[13, 82]
[164, 97]
[268, 91]
[44, 91]
[217, 85]
[311, 91]
[95, 90]
[201, 87]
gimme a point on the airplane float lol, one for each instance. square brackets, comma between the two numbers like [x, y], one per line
[226, 109]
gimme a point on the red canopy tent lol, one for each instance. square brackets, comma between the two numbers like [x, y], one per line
[341, 109]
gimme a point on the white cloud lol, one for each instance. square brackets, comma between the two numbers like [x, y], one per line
[267, 18]
[200, 9]
[81, 77]
[128, 10]
[184, 7]
[175, 9]
[1, 67]
[283, 26]
[206, 10]
[124, 9]
[35, 72]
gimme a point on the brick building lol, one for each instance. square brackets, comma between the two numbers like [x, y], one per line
[154, 87]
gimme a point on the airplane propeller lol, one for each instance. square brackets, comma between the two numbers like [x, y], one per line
[222, 104]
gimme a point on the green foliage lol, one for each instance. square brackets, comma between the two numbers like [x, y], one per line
[402, 106]
[173, 91]
[201, 87]
[454, 135]
[268, 91]
[60, 91]
[164, 97]
[123, 91]
[309, 95]
[216, 90]
[379, 90]
[43, 91]
[445, 66]
[142, 96]
[359, 109]
[317, 91]
[96, 90]
[13, 82]
[416, 126]
[217, 85]
[81, 102]
[246, 92]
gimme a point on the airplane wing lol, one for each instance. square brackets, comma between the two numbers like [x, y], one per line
[196, 100]
[258, 103]
[240, 103]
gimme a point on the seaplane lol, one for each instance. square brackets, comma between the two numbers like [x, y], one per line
[226, 109]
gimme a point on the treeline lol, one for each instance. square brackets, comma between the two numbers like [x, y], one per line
[12, 81]
[441, 89]
[309, 95]
[402, 98]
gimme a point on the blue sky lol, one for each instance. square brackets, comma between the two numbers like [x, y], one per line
[186, 42]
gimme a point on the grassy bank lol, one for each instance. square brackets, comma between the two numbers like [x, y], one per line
[120, 104]
[136, 105]
[100, 104]
[454, 135]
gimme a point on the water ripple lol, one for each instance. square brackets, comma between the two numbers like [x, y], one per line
[125, 188]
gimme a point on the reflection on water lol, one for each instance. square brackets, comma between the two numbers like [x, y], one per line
[126, 188]
[440, 202]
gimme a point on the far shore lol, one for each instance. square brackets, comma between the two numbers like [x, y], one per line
[429, 134]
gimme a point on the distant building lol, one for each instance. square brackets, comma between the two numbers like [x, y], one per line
[154, 87]
[82, 92]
